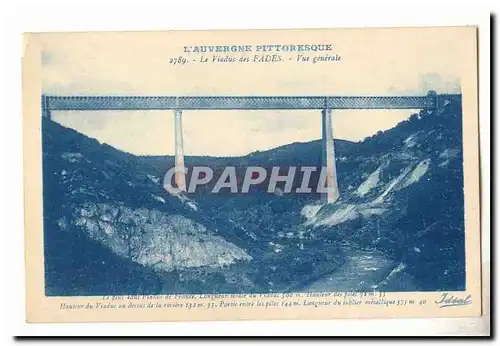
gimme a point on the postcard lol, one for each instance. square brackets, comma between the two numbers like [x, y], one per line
[251, 174]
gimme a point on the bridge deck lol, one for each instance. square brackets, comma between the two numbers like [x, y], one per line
[54, 103]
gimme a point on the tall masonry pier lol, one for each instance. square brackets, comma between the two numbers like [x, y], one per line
[325, 104]
[180, 175]
[328, 158]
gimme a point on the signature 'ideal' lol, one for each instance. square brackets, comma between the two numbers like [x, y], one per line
[451, 300]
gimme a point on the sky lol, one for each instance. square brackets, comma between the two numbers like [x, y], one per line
[375, 62]
[256, 130]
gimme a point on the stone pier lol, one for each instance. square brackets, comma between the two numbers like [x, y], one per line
[328, 158]
[180, 176]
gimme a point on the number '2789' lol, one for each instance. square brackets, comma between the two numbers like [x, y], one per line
[178, 60]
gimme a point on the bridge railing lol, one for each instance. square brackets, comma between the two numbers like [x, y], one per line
[58, 103]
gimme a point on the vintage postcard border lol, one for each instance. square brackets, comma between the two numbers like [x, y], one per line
[47, 309]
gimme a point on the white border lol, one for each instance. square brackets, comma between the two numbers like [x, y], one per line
[94, 15]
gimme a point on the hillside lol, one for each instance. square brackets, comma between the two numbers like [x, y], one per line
[109, 222]
[403, 195]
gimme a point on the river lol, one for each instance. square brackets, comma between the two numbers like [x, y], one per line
[364, 270]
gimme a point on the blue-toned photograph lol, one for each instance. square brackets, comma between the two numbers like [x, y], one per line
[382, 211]
[182, 164]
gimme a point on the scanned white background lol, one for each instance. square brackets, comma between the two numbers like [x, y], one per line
[45, 18]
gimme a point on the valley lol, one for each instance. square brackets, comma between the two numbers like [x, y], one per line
[110, 228]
